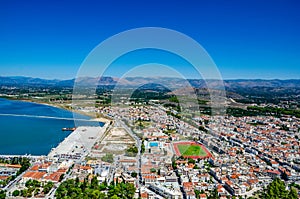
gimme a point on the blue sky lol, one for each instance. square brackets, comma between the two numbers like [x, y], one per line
[246, 39]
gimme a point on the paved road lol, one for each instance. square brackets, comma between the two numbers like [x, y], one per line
[51, 194]
[138, 142]
[12, 183]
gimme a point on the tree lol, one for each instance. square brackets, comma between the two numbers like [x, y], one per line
[85, 190]
[158, 172]
[114, 197]
[16, 193]
[84, 185]
[192, 161]
[24, 193]
[132, 151]
[25, 164]
[202, 128]
[284, 176]
[61, 177]
[95, 194]
[2, 194]
[197, 192]
[134, 174]
[293, 193]
[174, 165]
[108, 158]
[36, 191]
[47, 187]
[143, 147]
[94, 183]
[277, 189]
[130, 190]
[102, 186]
[77, 181]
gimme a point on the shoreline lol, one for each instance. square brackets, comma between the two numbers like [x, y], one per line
[93, 116]
[105, 121]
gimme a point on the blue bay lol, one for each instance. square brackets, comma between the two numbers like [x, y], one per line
[33, 135]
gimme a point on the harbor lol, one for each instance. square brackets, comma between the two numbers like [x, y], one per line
[37, 128]
[78, 143]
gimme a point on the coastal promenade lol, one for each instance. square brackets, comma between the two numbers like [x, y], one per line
[23, 156]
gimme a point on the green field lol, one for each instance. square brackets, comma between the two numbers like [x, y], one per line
[191, 150]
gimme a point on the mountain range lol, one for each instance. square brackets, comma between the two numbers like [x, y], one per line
[134, 81]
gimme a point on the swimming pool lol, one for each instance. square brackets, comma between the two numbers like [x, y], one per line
[153, 144]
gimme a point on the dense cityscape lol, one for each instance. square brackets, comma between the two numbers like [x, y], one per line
[151, 99]
[150, 148]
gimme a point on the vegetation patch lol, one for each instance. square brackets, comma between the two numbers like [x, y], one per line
[108, 158]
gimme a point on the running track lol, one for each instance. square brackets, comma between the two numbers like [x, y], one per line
[177, 152]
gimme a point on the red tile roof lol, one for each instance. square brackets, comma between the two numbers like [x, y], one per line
[34, 175]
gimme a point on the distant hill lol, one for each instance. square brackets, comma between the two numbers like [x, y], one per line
[262, 83]
[138, 81]
[25, 81]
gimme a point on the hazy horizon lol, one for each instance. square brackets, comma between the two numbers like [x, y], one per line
[21, 76]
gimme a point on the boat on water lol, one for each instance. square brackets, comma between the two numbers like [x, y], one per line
[69, 129]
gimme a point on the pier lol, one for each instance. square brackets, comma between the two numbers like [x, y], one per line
[46, 117]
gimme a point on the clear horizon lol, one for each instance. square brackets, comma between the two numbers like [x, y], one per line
[246, 39]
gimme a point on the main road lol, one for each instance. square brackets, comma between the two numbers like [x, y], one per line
[138, 142]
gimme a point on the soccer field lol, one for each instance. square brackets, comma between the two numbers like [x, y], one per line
[191, 150]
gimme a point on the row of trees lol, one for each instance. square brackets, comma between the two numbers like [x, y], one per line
[255, 111]
[274, 111]
[277, 190]
[75, 189]
[34, 188]
[143, 147]
[24, 162]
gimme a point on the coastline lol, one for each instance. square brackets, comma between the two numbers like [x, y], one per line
[93, 116]
[105, 122]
